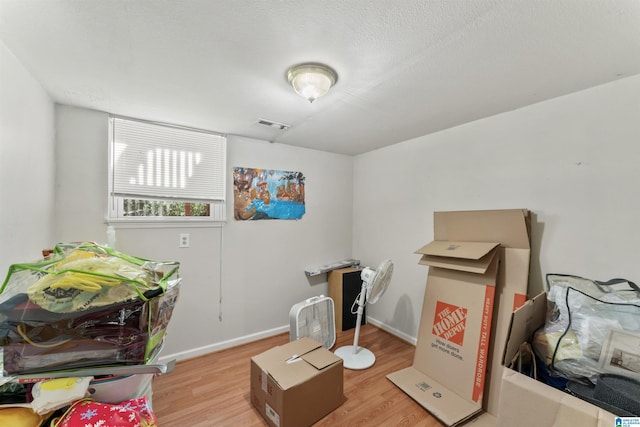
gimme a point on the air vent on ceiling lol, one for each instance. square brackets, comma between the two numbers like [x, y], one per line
[273, 124]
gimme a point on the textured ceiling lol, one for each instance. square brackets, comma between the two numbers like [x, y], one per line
[406, 67]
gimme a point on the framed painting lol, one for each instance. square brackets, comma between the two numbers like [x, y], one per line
[267, 194]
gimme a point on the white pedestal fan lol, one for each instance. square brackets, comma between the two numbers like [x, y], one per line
[374, 284]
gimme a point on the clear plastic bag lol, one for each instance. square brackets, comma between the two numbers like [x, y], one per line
[84, 305]
[589, 325]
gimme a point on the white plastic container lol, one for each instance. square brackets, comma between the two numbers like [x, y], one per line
[116, 389]
[314, 318]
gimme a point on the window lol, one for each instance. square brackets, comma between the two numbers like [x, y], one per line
[163, 172]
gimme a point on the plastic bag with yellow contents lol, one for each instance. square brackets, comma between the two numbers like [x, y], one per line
[85, 305]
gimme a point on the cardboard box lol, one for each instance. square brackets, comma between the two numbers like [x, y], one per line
[464, 275]
[526, 402]
[296, 384]
[448, 372]
[512, 229]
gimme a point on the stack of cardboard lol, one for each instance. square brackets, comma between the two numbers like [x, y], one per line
[478, 274]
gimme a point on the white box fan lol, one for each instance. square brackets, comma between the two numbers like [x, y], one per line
[314, 318]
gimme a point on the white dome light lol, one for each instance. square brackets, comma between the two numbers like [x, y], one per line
[311, 81]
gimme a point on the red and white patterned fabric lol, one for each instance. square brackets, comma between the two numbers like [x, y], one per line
[89, 413]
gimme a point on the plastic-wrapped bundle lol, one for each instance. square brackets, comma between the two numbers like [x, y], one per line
[591, 328]
[85, 305]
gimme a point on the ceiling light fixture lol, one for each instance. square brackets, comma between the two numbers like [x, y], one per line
[311, 81]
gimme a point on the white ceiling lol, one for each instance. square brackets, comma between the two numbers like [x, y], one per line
[406, 67]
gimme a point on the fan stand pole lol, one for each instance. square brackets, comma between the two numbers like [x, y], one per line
[360, 311]
[355, 357]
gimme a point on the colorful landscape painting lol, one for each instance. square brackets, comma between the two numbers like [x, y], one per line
[267, 194]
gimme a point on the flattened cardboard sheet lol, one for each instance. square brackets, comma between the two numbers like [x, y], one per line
[448, 407]
[510, 227]
[524, 321]
[464, 250]
[474, 257]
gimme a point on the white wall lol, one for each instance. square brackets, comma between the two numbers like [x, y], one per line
[257, 265]
[27, 168]
[574, 161]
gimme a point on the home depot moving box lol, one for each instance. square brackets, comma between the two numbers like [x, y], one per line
[296, 384]
[511, 230]
[448, 372]
[525, 402]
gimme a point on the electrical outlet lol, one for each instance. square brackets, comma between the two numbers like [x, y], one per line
[184, 240]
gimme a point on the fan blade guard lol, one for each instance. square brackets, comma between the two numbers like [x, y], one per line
[379, 283]
[314, 318]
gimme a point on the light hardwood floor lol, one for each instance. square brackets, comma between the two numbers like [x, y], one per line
[213, 390]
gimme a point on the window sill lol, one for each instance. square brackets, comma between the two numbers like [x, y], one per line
[165, 223]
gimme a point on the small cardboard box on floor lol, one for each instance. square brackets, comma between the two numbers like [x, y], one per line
[296, 384]
[478, 274]
[526, 402]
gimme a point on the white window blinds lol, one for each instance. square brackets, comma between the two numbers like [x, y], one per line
[151, 161]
